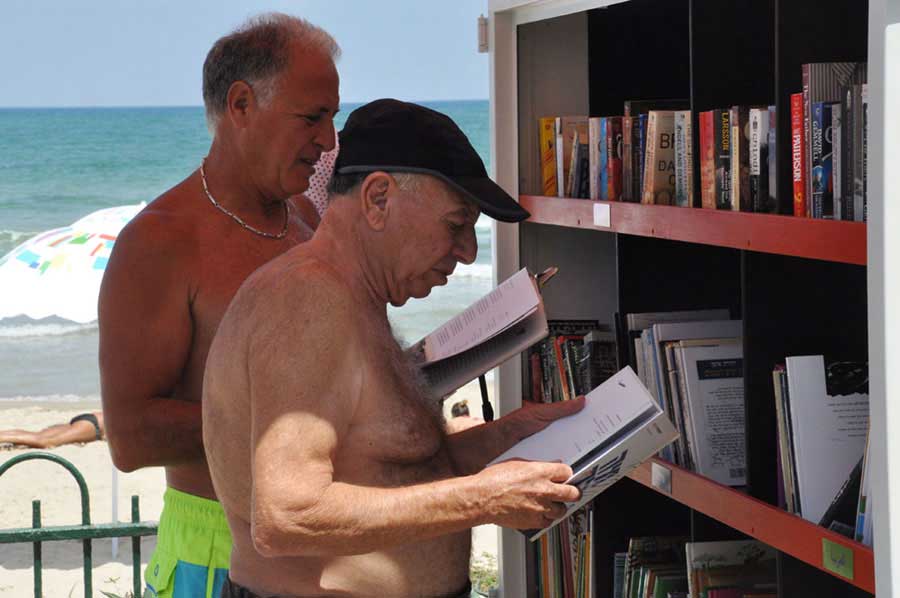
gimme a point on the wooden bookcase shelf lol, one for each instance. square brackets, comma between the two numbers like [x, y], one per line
[788, 533]
[843, 242]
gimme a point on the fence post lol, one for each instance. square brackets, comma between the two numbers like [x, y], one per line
[136, 548]
[36, 523]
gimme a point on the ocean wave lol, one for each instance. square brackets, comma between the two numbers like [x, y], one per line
[44, 329]
[10, 239]
[52, 398]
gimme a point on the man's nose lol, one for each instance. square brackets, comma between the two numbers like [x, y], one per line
[326, 136]
[466, 248]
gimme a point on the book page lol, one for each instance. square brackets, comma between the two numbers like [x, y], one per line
[512, 301]
[609, 409]
[447, 375]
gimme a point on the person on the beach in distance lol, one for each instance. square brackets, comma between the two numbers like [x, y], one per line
[271, 93]
[460, 419]
[328, 454]
[86, 427]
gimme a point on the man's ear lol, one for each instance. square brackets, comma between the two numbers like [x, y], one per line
[239, 103]
[373, 196]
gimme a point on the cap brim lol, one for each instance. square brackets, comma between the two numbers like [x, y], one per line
[482, 191]
[490, 197]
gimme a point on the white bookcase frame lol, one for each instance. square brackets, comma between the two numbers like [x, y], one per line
[883, 267]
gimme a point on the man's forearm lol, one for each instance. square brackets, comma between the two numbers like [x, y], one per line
[164, 432]
[349, 519]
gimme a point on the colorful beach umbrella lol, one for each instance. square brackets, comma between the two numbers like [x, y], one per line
[58, 272]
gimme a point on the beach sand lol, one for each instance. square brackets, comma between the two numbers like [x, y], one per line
[60, 505]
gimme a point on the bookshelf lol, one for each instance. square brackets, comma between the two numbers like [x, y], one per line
[801, 286]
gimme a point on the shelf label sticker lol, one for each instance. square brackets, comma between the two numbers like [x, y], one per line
[661, 477]
[837, 558]
[601, 215]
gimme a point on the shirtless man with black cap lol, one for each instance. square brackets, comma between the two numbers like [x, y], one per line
[330, 459]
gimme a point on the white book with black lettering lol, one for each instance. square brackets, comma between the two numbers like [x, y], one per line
[829, 433]
[713, 407]
[620, 427]
[498, 326]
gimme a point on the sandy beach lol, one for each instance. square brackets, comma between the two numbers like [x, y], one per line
[60, 505]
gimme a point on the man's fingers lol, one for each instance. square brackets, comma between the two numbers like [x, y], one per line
[566, 493]
[558, 472]
[555, 511]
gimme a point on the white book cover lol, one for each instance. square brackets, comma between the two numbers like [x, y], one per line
[745, 563]
[714, 380]
[620, 427]
[677, 331]
[829, 434]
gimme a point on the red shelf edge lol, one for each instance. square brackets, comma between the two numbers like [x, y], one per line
[829, 240]
[773, 526]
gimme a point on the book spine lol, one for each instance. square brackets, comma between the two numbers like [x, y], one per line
[847, 144]
[626, 158]
[807, 138]
[836, 189]
[817, 172]
[722, 131]
[735, 158]
[797, 169]
[827, 161]
[636, 159]
[614, 153]
[642, 145]
[756, 186]
[707, 161]
[740, 166]
[649, 159]
[560, 159]
[680, 161]
[604, 159]
[859, 159]
[594, 142]
[572, 174]
[864, 137]
[689, 157]
[772, 204]
[547, 130]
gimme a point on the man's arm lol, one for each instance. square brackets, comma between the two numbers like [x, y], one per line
[475, 447]
[301, 410]
[145, 339]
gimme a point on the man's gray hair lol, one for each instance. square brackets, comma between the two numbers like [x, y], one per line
[256, 53]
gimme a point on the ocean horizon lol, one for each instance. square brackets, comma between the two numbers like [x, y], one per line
[59, 164]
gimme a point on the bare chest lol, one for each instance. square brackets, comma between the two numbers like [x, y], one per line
[395, 439]
[220, 268]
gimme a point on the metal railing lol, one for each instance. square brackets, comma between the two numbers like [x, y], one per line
[85, 532]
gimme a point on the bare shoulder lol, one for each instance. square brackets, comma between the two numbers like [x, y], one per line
[165, 227]
[296, 294]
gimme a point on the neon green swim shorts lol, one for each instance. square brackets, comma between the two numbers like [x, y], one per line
[192, 551]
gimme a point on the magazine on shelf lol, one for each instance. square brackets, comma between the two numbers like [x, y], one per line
[498, 326]
[620, 427]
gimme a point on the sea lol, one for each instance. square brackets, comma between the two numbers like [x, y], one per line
[60, 164]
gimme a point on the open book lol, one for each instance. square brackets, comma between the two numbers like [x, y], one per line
[498, 326]
[620, 426]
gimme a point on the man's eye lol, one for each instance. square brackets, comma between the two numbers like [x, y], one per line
[309, 119]
[455, 227]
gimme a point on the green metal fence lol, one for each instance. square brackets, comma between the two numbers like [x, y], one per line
[36, 534]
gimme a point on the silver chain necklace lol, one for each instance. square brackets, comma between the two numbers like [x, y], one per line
[237, 218]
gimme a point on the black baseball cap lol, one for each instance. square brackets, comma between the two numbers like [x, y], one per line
[396, 136]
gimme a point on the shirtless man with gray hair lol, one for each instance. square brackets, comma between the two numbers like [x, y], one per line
[329, 456]
[271, 92]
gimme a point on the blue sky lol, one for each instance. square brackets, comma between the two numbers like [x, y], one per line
[150, 52]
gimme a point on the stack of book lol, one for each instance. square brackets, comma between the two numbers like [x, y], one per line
[828, 141]
[565, 566]
[672, 567]
[692, 362]
[576, 357]
[823, 422]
